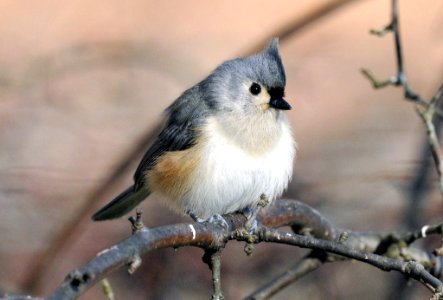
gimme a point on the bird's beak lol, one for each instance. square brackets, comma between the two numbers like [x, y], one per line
[280, 103]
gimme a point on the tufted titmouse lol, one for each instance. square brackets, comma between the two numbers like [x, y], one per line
[226, 143]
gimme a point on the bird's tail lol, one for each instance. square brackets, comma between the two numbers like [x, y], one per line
[122, 204]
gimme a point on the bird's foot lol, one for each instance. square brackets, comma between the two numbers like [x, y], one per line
[251, 219]
[194, 216]
[215, 219]
[251, 213]
[218, 220]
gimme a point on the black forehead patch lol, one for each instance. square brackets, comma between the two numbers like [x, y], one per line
[276, 92]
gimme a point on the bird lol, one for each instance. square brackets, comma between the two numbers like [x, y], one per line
[226, 144]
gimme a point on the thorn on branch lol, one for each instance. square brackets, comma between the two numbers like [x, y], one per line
[382, 32]
[134, 264]
[249, 248]
[107, 289]
[377, 84]
[343, 237]
[137, 221]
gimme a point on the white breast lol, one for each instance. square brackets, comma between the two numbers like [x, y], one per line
[230, 179]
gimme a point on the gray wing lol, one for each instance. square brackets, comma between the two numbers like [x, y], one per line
[184, 116]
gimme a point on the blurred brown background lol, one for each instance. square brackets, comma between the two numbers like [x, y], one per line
[82, 82]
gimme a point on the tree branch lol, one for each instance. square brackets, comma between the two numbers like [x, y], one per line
[427, 116]
[411, 269]
[429, 108]
[20, 297]
[299, 216]
[306, 265]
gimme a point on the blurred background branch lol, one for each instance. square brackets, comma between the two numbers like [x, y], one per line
[431, 107]
[426, 109]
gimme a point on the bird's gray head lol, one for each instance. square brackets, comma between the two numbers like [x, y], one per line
[249, 85]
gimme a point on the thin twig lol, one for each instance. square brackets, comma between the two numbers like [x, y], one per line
[107, 289]
[303, 267]
[425, 231]
[212, 258]
[427, 116]
[429, 108]
[378, 84]
[411, 269]
[401, 79]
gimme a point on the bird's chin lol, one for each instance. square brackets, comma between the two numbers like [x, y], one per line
[267, 109]
[264, 106]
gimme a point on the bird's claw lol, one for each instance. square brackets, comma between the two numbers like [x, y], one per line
[251, 213]
[218, 220]
[251, 224]
[194, 216]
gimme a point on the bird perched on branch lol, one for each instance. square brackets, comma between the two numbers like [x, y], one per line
[226, 143]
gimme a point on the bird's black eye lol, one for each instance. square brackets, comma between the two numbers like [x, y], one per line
[255, 89]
